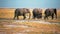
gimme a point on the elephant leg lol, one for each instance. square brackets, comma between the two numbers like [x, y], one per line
[55, 11]
[14, 16]
[24, 16]
[39, 16]
[46, 17]
[17, 17]
[34, 16]
[52, 16]
[56, 16]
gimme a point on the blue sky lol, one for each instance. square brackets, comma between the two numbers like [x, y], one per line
[29, 3]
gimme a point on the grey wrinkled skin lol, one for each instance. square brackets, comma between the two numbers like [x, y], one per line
[37, 13]
[21, 12]
[50, 12]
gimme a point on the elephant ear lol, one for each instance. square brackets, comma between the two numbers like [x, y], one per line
[21, 11]
[40, 10]
[27, 10]
[51, 10]
[24, 10]
[36, 10]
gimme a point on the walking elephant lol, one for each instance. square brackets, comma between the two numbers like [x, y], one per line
[21, 12]
[37, 13]
[50, 12]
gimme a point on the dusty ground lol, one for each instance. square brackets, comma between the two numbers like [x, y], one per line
[37, 26]
[28, 27]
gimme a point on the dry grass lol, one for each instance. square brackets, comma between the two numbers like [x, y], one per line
[32, 28]
[8, 13]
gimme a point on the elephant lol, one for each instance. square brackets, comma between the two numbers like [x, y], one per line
[37, 13]
[21, 12]
[50, 12]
